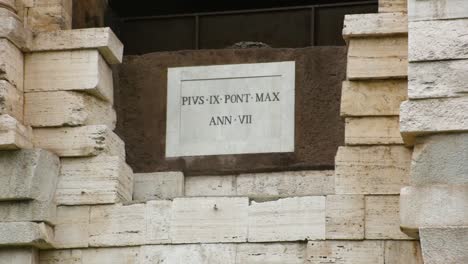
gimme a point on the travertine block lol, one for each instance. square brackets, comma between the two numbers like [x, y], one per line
[158, 185]
[13, 134]
[19, 256]
[67, 108]
[345, 217]
[403, 252]
[80, 70]
[374, 25]
[72, 227]
[390, 6]
[120, 255]
[8, 4]
[11, 101]
[209, 220]
[158, 220]
[445, 245]
[29, 211]
[102, 39]
[289, 219]
[285, 184]
[11, 64]
[373, 98]
[377, 58]
[383, 218]
[345, 252]
[28, 174]
[79, 141]
[372, 170]
[96, 180]
[20, 234]
[271, 253]
[193, 254]
[436, 9]
[372, 131]
[224, 185]
[49, 15]
[12, 28]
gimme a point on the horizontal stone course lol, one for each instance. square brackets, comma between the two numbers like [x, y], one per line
[390, 6]
[345, 217]
[13, 134]
[372, 131]
[212, 185]
[17, 234]
[26, 255]
[436, 9]
[159, 185]
[372, 25]
[345, 252]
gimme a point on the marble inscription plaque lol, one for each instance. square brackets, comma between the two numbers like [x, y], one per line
[230, 109]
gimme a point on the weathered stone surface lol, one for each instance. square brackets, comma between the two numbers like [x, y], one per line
[436, 9]
[372, 170]
[102, 39]
[437, 79]
[390, 6]
[158, 185]
[373, 98]
[444, 245]
[375, 25]
[403, 252]
[72, 227]
[80, 70]
[158, 220]
[8, 4]
[377, 58]
[49, 15]
[96, 180]
[284, 184]
[209, 220]
[67, 108]
[193, 254]
[19, 256]
[79, 141]
[12, 28]
[372, 131]
[28, 174]
[289, 219]
[383, 218]
[11, 64]
[440, 159]
[345, 217]
[345, 252]
[446, 38]
[11, 101]
[120, 255]
[19, 234]
[13, 134]
[224, 185]
[271, 253]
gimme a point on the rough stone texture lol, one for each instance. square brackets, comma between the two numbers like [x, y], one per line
[19, 256]
[79, 141]
[28, 174]
[17, 234]
[345, 217]
[377, 58]
[72, 227]
[289, 219]
[372, 170]
[374, 25]
[67, 108]
[389, 6]
[102, 39]
[158, 218]
[373, 98]
[437, 79]
[345, 252]
[158, 185]
[444, 245]
[372, 131]
[8, 4]
[403, 252]
[48, 15]
[209, 220]
[11, 101]
[440, 159]
[12, 28]
[436, 9]
[210, 185]
[119, 255]
[81, 70]
[13, 134]
[11, 64]
[193, 254]
[141, 122]
[271, 253]
[96, 180]
[382, 219]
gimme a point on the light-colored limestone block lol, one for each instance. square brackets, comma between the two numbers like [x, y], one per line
[11, 101]
[119, 255]
[67, 108]
[8, 4]
[375, 25]
[13, 134]
[102, 39]
[345, 252]
[79, 141]
[20, 234]
[49, 15]
[436, 9]
[28, 174]
[390, 6]
[271, 253]
[372, 170]
[285, 184]
[80, 70]
[224, 185]
[96, 180]
[447, 245]
[11, 64]
[12, 28]
[373, 98]
[288, 219]
[158, 185]
[72, 227]
[383, 218]
[372, 131]
[209, 220]
[193, 254]
[29, 211]
[345, 217]
[19, 256]
[420, 117]
[403, 252]
[377, 58]
[158, 222]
